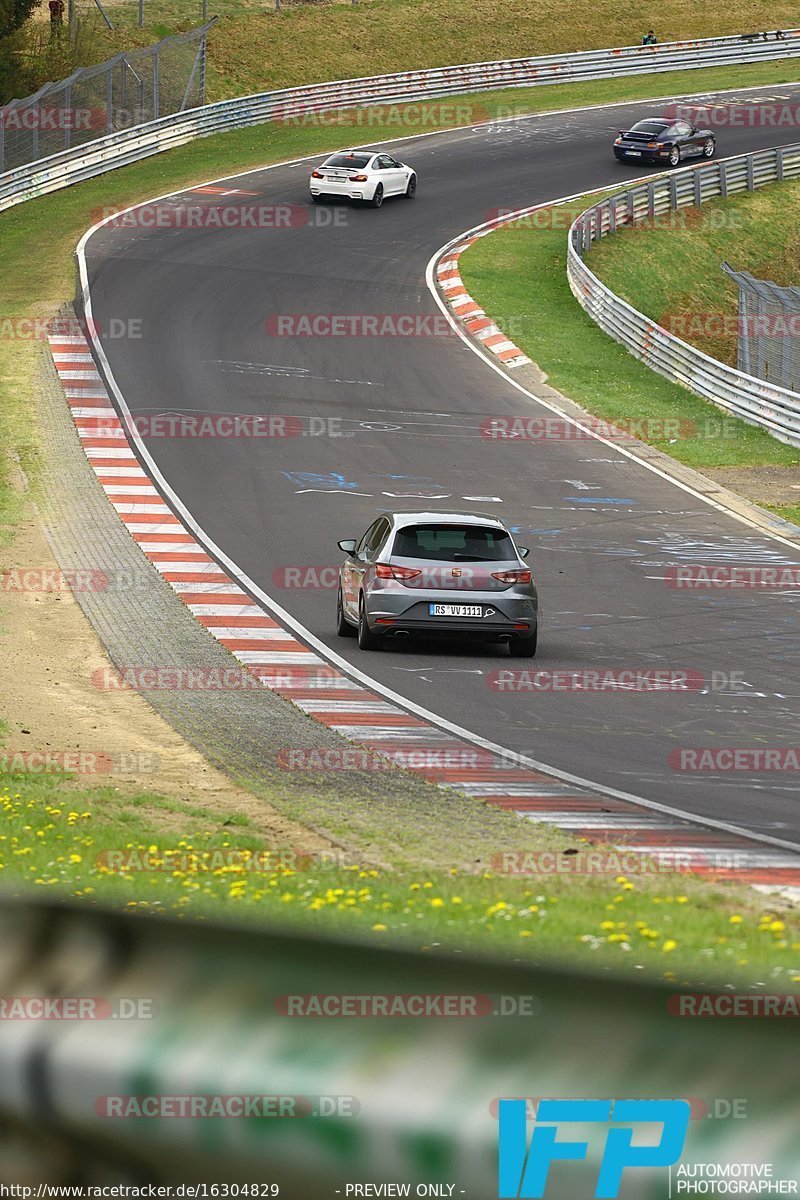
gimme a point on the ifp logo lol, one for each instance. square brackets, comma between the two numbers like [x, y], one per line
[523, 1170]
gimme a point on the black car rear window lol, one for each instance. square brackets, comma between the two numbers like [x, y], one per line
[454, 543]
[347, 160]
[649, 126]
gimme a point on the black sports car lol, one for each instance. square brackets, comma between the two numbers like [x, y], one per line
[658, 140]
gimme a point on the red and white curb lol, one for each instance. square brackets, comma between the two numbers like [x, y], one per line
[467, 311]
[287, 666]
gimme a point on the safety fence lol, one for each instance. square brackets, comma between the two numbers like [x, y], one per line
[768, 329]
[755, 400]
[60, 169]
[128, 90]
[358, 1063]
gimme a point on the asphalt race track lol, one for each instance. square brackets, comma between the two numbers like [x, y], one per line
[602, 529]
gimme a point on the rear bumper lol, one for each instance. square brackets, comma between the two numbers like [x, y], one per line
[625, 154]
[343, 190]
[457, 630]
[506, 615]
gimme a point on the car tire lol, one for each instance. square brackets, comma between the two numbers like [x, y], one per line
[343, 626]
[523, 647]
[411, 189]
[674, 156]
[377, 199]
[709, 147]
[367, 640]
[316, 199]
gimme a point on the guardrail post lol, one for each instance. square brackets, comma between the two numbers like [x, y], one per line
[750, 174]
[110, 100]
[698, 187]
[631, 208]
[651, 200]
[779, 164]
[673, 193]
[587, 236]
[612, 215]
[723, 181]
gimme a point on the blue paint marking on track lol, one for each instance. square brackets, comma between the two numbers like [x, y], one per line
[313, 479]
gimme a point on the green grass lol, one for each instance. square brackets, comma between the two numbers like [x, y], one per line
[518, 275]
[671, 270]
[52, 844]
[254, 48]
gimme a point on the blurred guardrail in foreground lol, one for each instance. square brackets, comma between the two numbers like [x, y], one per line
[116, 150]
[755, 400]
[180, 1009]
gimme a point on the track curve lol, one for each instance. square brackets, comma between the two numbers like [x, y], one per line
[411, 409]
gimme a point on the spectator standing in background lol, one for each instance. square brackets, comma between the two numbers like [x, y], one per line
[56, 16]
[649, 39]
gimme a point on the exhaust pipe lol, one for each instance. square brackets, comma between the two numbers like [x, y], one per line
[401, 633]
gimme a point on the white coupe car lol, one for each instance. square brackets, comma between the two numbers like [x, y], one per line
[362, 175]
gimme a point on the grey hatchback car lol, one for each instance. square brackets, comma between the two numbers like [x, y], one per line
[447, 575]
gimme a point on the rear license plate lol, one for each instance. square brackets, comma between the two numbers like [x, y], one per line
[634, 153]
[455, 610]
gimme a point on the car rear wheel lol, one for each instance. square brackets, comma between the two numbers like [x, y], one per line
[377, 199]
[411, 190]
[343, 626]
[674, 156]
[523, 647]
[316, 199]
[709, 146]
[367, 640]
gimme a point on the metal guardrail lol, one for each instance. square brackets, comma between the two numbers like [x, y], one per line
[422, 1090]
[117, 150]
[754, 400]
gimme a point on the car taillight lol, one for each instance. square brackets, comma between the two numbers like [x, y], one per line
[358, 178]
[387, 571]
[317, 175]
[619, 139]
[512, 576]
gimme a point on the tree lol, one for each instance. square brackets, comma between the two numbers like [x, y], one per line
[14, 14]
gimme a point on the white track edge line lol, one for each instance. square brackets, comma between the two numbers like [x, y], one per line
[326, 652]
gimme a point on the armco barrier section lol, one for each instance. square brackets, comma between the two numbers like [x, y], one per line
[379, 1098]
[755, 400]
[117, 150]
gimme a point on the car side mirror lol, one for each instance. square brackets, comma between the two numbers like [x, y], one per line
[694, 130]
[523, 551]
[347, 544]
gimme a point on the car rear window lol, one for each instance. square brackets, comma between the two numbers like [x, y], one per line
[454, 543]
[347, 160]
[649, 127]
